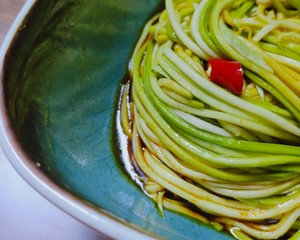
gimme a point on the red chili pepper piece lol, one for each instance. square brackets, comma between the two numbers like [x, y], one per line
[227, 74]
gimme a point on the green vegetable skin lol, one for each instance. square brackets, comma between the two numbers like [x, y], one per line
[239, 146]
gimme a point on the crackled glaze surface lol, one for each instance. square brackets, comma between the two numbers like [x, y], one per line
[62, 78]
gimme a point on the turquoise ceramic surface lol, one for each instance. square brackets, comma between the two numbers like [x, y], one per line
[61, 81]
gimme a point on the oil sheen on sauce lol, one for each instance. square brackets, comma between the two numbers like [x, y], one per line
[124, 147]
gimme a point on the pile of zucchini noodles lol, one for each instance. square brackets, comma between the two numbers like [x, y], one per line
[229, 161]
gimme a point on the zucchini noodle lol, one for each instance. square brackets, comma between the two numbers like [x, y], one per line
[229, 160]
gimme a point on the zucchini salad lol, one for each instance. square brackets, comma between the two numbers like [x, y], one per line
[211, 113]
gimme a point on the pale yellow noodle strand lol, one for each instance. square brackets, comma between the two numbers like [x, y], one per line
[181, 34]
[270, 191]
[282, 227]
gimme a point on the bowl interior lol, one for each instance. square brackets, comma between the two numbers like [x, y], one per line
[62, 78]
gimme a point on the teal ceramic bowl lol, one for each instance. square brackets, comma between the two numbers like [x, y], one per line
[61, 68]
